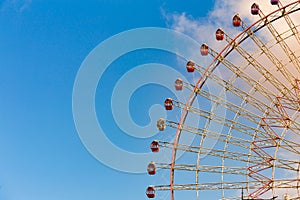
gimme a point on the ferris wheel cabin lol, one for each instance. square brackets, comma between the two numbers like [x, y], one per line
[204, 50]
[151, 168]
[236, 20]
[220, 34]
[178, 84]
[254, 9]
[169, 104]
[154, 146]
[150, 192]
[274, 2]
[160, 124]
[190, 66]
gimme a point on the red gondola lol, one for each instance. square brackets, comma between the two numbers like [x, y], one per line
[150, 192]
[236, 20]
[220, 34]
[254, 9]
[168, 104]
[204, 50]
[190, 66]
[274, 2]
[178, 84]
[154, 146]
[151, 168]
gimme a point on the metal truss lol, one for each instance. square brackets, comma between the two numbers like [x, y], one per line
[259, 144]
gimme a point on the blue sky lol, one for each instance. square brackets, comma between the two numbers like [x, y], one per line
[42, 46]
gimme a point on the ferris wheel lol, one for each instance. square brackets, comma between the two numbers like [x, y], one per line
[257, 153]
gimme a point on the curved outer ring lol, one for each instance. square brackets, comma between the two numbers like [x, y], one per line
[199, 85]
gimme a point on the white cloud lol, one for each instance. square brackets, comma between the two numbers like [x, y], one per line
[203, 29]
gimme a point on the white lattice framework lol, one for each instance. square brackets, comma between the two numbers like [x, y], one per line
[261, 96]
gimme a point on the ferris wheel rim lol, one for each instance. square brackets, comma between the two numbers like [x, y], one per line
[199, 85]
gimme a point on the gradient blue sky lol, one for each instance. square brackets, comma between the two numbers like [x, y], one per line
[42, 45]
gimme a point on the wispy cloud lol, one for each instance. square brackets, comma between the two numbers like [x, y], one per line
[203, 30]
[16, 5]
